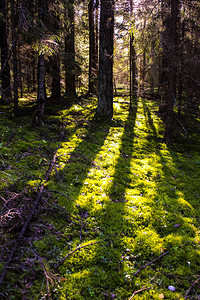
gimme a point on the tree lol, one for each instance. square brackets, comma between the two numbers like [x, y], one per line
[55, 57]
[70, 64]
[105, 78]
[5, 68]
[170, 63]
[41, 90]
[133, 81]
[93, 49]
[15, 56]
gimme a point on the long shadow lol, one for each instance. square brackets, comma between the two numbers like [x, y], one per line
[177, 212]
[81, 159]
[44, 138]
[106, 267]
[176, 161]
[113, 223]
[109, 220]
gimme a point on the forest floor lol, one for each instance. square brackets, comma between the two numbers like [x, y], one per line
[118, 216]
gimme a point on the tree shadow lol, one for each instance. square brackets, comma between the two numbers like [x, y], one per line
[105, 269]
[78, 162]
[176, 214]
[112, 223]
[176, 160]
[108, 218]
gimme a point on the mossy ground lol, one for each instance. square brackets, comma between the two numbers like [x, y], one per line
[114, 183]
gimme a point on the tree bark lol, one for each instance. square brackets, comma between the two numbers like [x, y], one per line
[93, 56]
[70, 79]
[41, 89]
[172, 68]
[15, 58]
[5, 69]
[55, 84]
[133, 81]
[105, 79]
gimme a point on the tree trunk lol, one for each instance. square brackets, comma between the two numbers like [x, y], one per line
[20, 74]
[33, 73]
[70, 79]
[93, 56]
[172, 58]
[15, 60]
[133, 70]
[105, 79]
[133, 81]
[41, 89]
[5, 68]
[180, 70]
[55, 84]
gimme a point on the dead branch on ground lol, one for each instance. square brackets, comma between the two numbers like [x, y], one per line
[29, 218]
[150, 263]
[191, 287]
[139, 291]
[78, 248]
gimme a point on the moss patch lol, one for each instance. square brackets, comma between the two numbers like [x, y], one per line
[113, 183]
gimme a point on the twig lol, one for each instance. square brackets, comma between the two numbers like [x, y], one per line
[136, 292]
[78, 248]
[143, 267]
[50, 277]
[191, 287]
[150, 263]
[30, 216]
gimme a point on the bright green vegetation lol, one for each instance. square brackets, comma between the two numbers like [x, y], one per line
[114, 183]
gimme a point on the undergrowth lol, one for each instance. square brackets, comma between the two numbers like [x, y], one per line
[120, 214]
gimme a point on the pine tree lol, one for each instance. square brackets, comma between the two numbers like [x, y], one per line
[5, 67]
[105, 79]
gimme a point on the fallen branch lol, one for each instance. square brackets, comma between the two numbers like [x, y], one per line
[51, 278]
[30, 216]
[150, 263]
[143, 267]
[192, 287]
[78, 248]
[136, 292]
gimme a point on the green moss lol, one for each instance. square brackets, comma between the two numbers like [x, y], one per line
[113, 183]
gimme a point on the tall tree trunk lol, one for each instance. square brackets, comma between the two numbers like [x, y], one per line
[133, 81]
[70, 79]
[15, 60]
[55, 84]
[93, 56]
[142, 73]
[41, 89]
[20, 73]
[105, 79]
[97, 33]
[33, 73]
[180, 70]
[172, 58]
[133, 71]
[5, 68]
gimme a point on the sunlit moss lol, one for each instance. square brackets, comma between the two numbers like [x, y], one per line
[121, 187]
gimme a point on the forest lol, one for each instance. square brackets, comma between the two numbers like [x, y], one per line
[99, 149]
